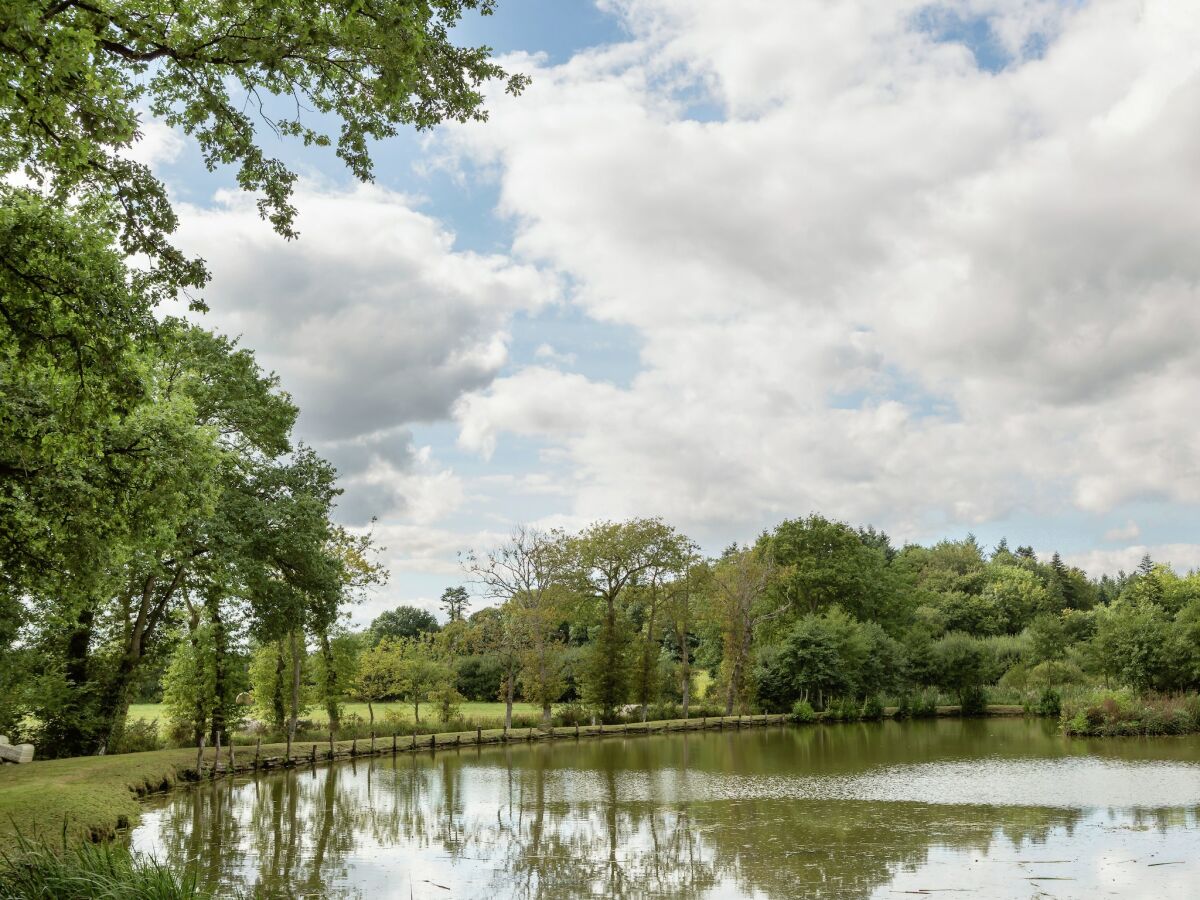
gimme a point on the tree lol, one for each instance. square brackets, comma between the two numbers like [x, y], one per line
[76, 75]
[402, 622]
[658, 585]
[689, 583]
[527, 574]
[824, 563]
[607, 561]
[739, 603]
[962, 665]
[493, 632]
[419, 673]
[455, 601]
[380, 674]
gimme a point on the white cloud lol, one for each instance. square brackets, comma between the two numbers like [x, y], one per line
[1127, 532]
[156, 144]
[888, 284]
[374, 323]
[1181, 557]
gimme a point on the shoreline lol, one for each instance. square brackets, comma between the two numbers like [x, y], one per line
[94, 798]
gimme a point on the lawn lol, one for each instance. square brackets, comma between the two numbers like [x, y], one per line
[474, 712]
[483, 713]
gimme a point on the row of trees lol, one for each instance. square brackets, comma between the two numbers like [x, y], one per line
[624, 615]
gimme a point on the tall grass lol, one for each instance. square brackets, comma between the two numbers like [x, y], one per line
[89, 872]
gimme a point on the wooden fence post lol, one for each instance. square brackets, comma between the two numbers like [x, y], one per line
[232, 761]
[478, 735]
[393, 742]
[257, 750]
[217, 754]
[200, 756]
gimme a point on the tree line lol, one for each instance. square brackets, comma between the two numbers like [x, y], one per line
[618, 620]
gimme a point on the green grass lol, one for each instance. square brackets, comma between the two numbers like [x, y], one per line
[88, 872]
[470, 712]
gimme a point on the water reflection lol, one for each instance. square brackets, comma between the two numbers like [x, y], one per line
[845, 811]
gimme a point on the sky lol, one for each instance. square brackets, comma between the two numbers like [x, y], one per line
[929, 266]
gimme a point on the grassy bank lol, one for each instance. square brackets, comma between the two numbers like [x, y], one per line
[1116, 713]
[89, 798]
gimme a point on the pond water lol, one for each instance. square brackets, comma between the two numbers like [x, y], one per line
[1001, 808]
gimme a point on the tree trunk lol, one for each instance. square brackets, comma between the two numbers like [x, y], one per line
[220, 664]
[331, 687]
[546, 718]
[510, 689]
[294, 717]
[73, 736]
[370, 714]
[278, 700]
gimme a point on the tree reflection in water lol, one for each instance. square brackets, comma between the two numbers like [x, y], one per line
[699, 815]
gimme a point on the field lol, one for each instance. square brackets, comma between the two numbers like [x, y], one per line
[481, 712]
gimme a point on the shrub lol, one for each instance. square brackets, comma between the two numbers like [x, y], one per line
[872, 709]
[973, 701]
[904, 708]
[926, 705]
[140, 735]
[842, 709]
[802, 711]
[1049, 704]
[571, 714]
[1108, 713]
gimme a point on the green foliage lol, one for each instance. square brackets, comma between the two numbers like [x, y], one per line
[75, 79]
[802, 711]
[1049, 704]
[402, 622]
[963, 665]
[447, 701]
[973, 700]
[1123, 712]
[872, 709]
[455, 601]
[379, 673]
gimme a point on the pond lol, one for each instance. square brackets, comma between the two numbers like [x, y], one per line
[977, 808]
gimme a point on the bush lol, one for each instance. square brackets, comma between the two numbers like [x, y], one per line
[1109, 713]
[1049, 704]
[904, 708]
[973, 701]
[872, 709]
[802, 711]
[926, 705]
[570, 714]
[842, 709]
[140, 735]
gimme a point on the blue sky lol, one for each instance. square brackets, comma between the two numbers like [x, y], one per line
[731, 267]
